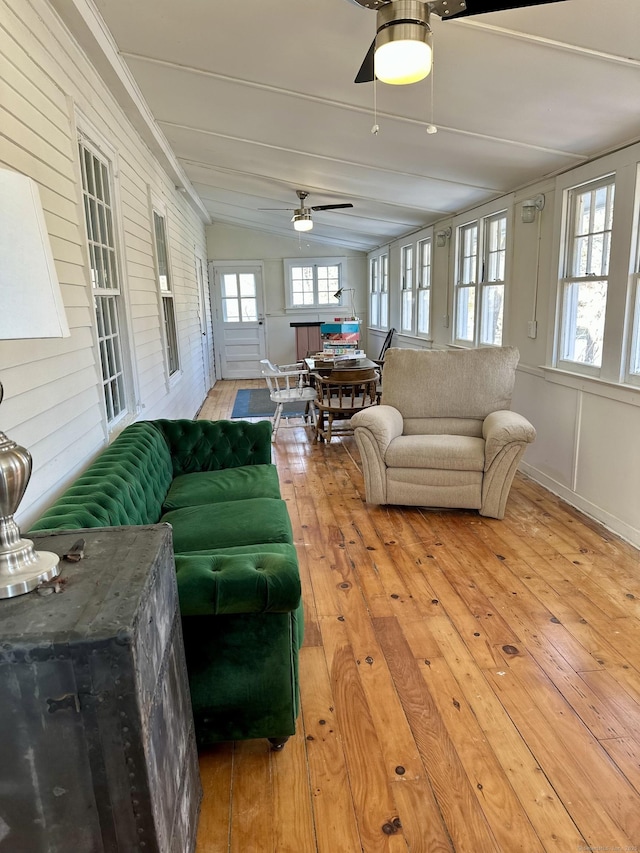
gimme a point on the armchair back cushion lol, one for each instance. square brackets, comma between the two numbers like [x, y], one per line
[455, 388]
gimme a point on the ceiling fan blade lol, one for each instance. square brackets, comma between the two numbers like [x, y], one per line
[276, 208]
[479, 7]
[366, 74]
[331, 206]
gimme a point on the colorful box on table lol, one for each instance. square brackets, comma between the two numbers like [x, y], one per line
[344, 337]
[339, 328]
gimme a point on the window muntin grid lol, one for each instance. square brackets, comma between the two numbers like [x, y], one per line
[166, 294]
[103, 266]
[423, 320]
[584, 287]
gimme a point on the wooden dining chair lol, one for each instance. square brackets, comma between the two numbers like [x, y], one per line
[339, 396]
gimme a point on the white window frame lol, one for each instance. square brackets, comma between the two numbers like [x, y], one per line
[407, 288]
[384, 290]
[492, 283]
[374, 292]
[329, 307]
[632, 356]
[624, 167]
[168, 315]
[570, 281]
[466, 279]
[102, 234]
[473, 274]
[423, 302]
[379, 289]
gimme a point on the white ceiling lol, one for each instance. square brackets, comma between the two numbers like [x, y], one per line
[256, 98]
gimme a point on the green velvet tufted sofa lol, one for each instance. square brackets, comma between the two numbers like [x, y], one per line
[236, 564]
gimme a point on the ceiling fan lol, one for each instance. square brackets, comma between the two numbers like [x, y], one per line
[301, 218]
[401, 51]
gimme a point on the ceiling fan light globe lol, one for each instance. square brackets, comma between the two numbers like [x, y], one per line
[403, 61]
[302, 220]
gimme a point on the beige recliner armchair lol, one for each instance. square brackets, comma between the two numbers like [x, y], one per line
[444, 435]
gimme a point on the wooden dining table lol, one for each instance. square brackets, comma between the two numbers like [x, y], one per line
[324, 367]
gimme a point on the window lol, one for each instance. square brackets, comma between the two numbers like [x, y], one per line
[480, 287]
[407, 296]
[166, 294]
[239, 297]
[384, 290]
[465, 299]
[424, 288]
[374, 291]
[105, 279]
[585, 282]
[379, 290]
[492, 285]
[634, 352]
[314, 282]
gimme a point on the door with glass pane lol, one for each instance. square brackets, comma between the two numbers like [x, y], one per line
[239, 337]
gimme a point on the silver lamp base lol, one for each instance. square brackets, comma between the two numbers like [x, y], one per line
[22, 568]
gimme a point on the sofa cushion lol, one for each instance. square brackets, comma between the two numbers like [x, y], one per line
[228, 484]
[249, 522]
[449, 383]
[448, 452]
[257, 582]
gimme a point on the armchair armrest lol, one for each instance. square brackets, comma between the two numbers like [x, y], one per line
[503, 428]
[506, 436]
[374, 429]
[383, 422]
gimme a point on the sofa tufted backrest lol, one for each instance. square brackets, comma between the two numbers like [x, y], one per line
[213, 445]
[449, 384]
[126, 484]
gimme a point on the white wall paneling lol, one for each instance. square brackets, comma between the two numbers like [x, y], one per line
[53, 394]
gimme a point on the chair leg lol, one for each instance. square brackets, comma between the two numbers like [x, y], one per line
[276, 421]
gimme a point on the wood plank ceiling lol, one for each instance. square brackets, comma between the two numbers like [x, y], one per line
[257, 99]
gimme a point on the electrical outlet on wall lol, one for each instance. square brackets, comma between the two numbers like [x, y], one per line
[532, 328]
[445, 321]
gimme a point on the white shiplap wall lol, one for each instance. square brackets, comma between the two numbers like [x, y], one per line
[53, 396]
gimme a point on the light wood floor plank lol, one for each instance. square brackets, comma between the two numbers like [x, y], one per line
[468, 685]
[335, 819]
[371, 790]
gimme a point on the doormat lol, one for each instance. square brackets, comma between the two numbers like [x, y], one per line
[256, 403]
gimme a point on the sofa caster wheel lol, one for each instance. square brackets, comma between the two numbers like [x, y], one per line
[277, 743]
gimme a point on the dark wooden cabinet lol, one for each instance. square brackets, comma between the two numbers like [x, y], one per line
[98, 747]
[308, 338]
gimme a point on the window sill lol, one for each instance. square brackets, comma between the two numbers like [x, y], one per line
[409, 336]
[315, 309]
[619, 391]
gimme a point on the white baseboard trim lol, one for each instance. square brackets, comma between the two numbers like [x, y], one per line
[611, 522]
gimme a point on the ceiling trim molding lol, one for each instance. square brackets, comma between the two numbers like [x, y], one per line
[354, 108]
[308, 236]
[85, 24]
[313, 190]
[325, 157]
[555, 44]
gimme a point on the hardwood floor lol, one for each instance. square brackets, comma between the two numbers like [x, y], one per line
[468, 684]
